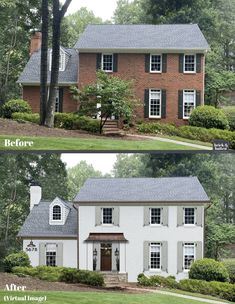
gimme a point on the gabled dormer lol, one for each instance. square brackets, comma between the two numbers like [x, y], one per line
[64, 58]
[58, 212]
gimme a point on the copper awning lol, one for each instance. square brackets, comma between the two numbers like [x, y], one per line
[106, 237]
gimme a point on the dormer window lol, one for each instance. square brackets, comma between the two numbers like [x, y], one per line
[56, 213]
[62, 61]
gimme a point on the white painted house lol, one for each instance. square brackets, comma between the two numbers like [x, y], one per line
[120, 225]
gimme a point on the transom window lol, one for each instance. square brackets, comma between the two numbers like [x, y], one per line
[107, 215]
[189, 254]
[107, 62]
[189, 216]
[51, 255]
[189, 103]
[56, 213]
[155, 255]
[155, 63]
[189, 63]
[155, 216]
[155, 103]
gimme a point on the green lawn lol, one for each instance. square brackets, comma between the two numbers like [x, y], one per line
[53, 143]
[98, 298]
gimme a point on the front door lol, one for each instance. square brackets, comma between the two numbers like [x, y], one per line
[106, 257]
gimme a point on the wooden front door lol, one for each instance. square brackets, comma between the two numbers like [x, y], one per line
[106, 257]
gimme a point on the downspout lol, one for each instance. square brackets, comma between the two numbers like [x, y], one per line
[210, 204]
[75, 206]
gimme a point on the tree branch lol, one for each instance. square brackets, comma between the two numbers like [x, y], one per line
[64, 8]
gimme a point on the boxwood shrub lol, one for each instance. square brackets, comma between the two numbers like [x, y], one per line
[16, 259]
[230, 266]
[22, 117]
[15, 106]
[230, 114]
[157, 280]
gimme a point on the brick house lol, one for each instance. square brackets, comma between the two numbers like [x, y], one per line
[166, 63]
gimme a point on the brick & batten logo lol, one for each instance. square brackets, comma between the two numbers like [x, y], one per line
[220, 145]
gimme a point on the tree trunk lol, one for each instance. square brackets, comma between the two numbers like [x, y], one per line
[44, 61]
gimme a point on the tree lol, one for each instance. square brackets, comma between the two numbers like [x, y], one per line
[109, 96]
[128, 12]
[128, 165]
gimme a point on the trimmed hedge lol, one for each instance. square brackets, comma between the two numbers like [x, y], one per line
[15, 106]
[157, 280]
[230, 266]
[230, 114]
[208, 270]
[16, 259]
[22, 117]
[208, 117]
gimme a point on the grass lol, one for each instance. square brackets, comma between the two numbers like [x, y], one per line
[98, 298]
[100, 144]
[191, 141]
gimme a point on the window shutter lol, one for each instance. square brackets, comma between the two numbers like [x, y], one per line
[114, 258]
[199, 216]
[180, 248]
[146, 256]
[146, 103]
[147, 63]
[98, 220]
[180, 216]
[181, 63]
[42, 254]
[61, 99]
[198, 98]
[164, 63]
[59, 255]
[97, 247]
[165, 216]
[98, 61]
[146, 216]
[115, 62]
[116, 216]
[199, 63]
[180, 104]
[163, 111]
[199, 254]
[164, 256]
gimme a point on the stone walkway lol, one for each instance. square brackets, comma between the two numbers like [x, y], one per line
[171, 141]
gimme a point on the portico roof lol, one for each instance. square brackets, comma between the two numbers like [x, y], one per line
[106, 237]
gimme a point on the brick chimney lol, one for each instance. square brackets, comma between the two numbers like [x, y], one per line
[35, 194]
[36, 42]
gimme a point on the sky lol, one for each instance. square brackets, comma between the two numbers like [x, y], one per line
[100, 161]
[101, 8]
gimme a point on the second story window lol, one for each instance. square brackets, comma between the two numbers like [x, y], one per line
[189, 255]
[155, 63]
[56, 216]
[107, 62]
[107, 216]
[189, 103]
[155, 216]
[154, 103]
[189, 216]
[155, 256]
[190, 63]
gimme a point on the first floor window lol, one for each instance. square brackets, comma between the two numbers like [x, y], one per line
[189, 254]
[107, 62]
[156, 63]
[51, 255]
[155, 255]
[155, 216]
[107, 215]
[189, 216]
[155, 103]
[189, 102]
[56, 213]
[189, 63]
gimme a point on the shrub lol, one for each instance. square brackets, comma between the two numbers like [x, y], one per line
[157, 281]
[208, 270]
[16, 259]
[87, 124]
[34, 118]
[65, 120]
[70, 275]
[230, 266]
[42, 272]
[15, 106]
[230, 114]
[208, 117]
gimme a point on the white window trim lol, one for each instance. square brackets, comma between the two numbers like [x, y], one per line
[195, 64]
[150, 217]
[102, 217]
[187, 117]
[155, 116]
[56, 256]
[155, 72]
[102, 61]
[190, 225]
[194, 246]
[155, 269]
[61, 63]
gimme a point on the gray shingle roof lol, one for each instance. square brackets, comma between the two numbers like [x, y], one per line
[178, 189]
[142, 36]
[31, 72]
[37, 223]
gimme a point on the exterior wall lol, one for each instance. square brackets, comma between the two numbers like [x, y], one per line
[132, 67]
[69, 251]
[32, 95]
[131, 253]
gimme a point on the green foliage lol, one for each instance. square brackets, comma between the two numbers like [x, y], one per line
[230, 113]
[16, 259]
[208, 117]
[128, 165]
[46, 273]
[157, 281]
[65, 120]
[230, 266]
[87, 124]
[128, 12]
[208, 270]
[22, 117]
[15, 106]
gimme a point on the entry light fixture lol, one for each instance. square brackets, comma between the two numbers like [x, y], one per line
[116, 252]
[95, 252]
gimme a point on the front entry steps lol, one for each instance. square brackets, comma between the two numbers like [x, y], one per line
[111, 127]
[114, 279]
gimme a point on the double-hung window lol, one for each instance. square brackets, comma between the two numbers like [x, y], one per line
[155, 256]
[155, 63]
[189, 103]
[107, 216]
[189, 63]
[51, 255]
[189, 255]
[155, 216]
[189, 216]
[107, 62]
[155, 103]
